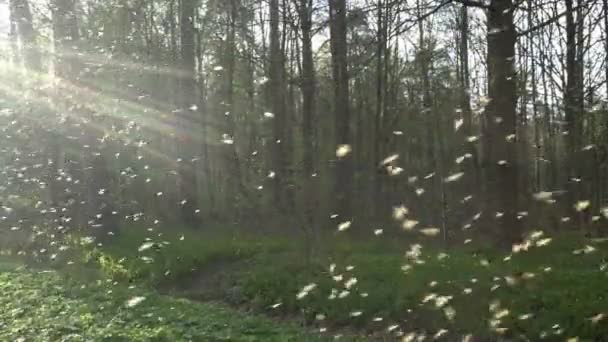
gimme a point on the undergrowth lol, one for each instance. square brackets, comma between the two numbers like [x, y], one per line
[45, 306]
[550, 291]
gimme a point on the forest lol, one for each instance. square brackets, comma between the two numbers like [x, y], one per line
[303, 170]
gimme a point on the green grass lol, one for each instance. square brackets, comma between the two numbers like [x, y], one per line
[44, 306]
[175, 255]
[273, 271]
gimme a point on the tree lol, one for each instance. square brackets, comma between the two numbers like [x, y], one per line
[65, 34]
[465, 77]
[500, 149]
[187, 177]
[278, 105]
[308, 86]
[605, 17]
[21, 17]
[339, 62]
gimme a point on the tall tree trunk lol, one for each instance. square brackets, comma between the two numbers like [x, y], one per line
[605, 10]
[308, 114]
[278, 105]
[238, 190]
[188, 118]
[573, 101]
[580, 63]
[339, 61]
[288, 180]
[65, 35]
[172, 30]
[21, 15]
[378, 119]
[205, 161]
[465, 92]
[535, 115]
[465, 84]
[187, 35]
[570, 97]
[13, 32]
[431, 121]
[582, 165]
[500, 154]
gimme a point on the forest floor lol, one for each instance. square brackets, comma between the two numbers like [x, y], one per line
[47, 306]
[554, 289]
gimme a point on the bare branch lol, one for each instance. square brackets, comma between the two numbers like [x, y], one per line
[473, 3]
[550, 20]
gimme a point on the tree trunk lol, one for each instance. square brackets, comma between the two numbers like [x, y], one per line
[172, 30]
[570, 96]
[65, 35]
[605, 9]
[379, 204]
[278, 104]
[339, 62]
[22, 21]
[238, 190]
[308, 113]
[188, 117]
[465, 85]
[500, 155]
[573, 99]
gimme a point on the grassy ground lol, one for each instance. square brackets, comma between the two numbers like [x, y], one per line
[554, 290]
[44, 306]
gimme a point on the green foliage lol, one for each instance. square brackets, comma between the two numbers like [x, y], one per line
[563, 288]
[43, 306]
[109, 265]
[173, 255]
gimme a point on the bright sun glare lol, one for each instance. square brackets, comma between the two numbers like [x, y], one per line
[4, 26]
